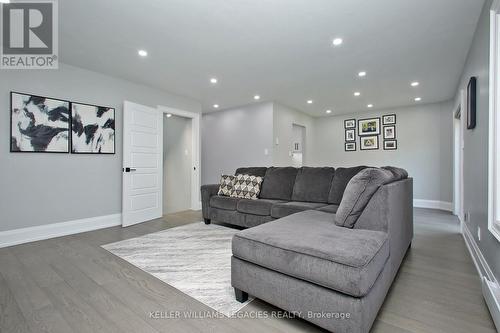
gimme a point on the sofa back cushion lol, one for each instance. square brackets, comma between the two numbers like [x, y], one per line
[252, 171]
[340, 181]
[358, 193]
[278, 183]
[313, 184]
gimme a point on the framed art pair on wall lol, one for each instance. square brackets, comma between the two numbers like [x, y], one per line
[42, 124]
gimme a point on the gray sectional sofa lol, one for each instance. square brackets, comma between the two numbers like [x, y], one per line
[294, 255]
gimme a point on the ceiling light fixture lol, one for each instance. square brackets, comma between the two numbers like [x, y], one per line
[328, 111]
[256, 97]
[309, 101]
[369, 106]
[216, 106]
[418, 99]
[213, 80]
[357, 94]
[362, 74]
[415, 84]
[337, 41]
[169, 115]
[143, 53]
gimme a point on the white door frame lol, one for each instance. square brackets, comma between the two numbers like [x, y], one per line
[458, 161]
[195, 151]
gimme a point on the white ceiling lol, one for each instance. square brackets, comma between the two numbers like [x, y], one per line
[279, 49]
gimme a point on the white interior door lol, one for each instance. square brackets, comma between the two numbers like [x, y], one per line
[142, 163]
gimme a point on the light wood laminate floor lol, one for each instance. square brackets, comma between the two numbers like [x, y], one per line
[70, 284]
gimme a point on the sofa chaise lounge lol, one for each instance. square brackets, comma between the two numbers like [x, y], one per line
[294, 256]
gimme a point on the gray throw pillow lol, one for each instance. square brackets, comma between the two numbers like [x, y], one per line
[358, 193]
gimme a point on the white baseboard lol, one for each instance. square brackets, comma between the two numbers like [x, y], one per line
[433, 204]
[31, 234]
[490, 286]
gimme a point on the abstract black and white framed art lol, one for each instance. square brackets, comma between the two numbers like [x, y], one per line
[92, 129]
[38, 124]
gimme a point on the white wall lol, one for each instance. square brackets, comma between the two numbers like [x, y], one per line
[284, 118]
[236, 138]
[177, 164]
[41, 188]
[476, 145]
[424, 134]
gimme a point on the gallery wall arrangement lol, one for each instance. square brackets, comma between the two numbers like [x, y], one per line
[369, 130]
[43, 124]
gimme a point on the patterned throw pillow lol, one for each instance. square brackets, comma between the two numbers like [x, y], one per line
[226, 185]
[246, 186]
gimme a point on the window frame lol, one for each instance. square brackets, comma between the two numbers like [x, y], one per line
[494, 123]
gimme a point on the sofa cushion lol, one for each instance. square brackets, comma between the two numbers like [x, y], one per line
[284, 209]
[332, 209]
[358, 193]
[310, 247]
[226, 185]
[226, 203]
[313, 184]
[278, 183]
[340, 181]
[246, 186]
[260, 207]
[253, 171]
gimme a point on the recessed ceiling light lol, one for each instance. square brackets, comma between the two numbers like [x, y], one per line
[328, 111]
[143, 53]
[338, 41]
[216, 106]
[362, 74]
[357, 94]
[213, 80]
[369, 106]
[310, 101]
[415, 84]
[418, 99]
[256, 97]
[169, 115]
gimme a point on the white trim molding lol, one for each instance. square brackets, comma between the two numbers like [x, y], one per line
[490, 286]
[32, 234]
[433, 204]
[494, 124]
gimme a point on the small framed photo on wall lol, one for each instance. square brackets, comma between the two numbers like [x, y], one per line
[369, 142]
[369, 126]
[389, 119]
[390, 145]
[350, 146]
[350, 123]
[350, 135]
[390, 132]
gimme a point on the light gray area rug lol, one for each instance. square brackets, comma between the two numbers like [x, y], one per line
[195, 258]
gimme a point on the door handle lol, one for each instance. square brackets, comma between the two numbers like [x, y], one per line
[130, 169]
